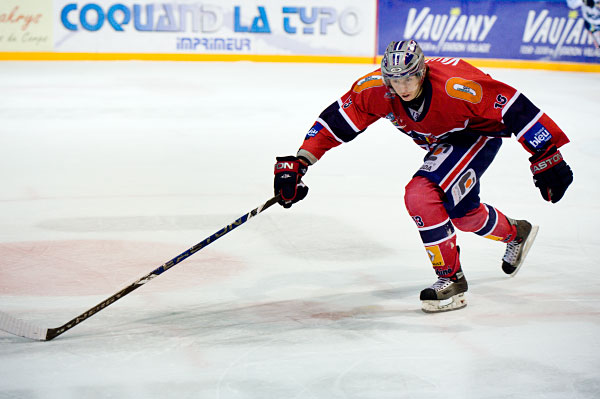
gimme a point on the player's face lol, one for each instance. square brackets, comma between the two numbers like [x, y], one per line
[407, 88]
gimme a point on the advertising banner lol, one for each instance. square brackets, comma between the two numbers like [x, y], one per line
[310, 27]
[26, 25]
[525, 30]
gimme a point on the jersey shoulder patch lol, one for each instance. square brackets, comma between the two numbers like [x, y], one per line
[464, 89]
[373, 79]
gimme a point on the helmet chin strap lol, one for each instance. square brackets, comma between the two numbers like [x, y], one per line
[420, 90]
[421, 85]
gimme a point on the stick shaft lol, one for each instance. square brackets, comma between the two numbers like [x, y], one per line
[52, 333]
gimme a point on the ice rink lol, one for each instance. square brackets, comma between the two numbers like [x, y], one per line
[109, 169]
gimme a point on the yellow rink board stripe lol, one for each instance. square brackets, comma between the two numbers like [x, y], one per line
[51, 56]
[479, 62]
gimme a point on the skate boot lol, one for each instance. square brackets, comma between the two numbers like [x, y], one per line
[516, 250]
[445, 294]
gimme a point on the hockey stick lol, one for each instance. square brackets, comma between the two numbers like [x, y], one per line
[21, 328]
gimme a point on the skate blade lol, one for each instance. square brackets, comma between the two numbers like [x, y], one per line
[454, 303]
[526, 246]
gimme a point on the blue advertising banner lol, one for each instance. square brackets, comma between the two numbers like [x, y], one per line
[567, 30]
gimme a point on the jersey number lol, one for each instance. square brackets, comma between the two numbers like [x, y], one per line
[500, 101]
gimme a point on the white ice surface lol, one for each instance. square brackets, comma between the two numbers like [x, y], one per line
[107, 170]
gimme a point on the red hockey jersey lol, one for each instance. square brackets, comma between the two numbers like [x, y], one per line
[458, 97]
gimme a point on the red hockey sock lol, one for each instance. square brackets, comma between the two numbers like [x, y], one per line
[487, 222]
[423, 200]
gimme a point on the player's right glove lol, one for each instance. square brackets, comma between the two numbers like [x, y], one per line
[288, 180]
[551, 174]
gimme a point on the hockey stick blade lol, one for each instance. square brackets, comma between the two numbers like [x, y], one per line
[24, 329]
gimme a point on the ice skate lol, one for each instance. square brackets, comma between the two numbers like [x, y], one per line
[516, 250]
[445, 294]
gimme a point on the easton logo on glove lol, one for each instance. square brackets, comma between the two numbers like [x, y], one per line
[288, 180]
[291, 166]
[549, 162]
[551, 174]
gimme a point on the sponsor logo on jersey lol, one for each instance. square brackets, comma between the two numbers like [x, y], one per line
[314, 130]
[371, 80]
[414, 114]
[537, 136]
[464, 89]
[436, 157]
[435, 256]
[493, 237]
[464, 185]
[398, 122]
[418, 136]
[444, 272]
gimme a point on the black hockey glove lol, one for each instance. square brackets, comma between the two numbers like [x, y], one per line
[551, 174]
[590, 3]
[288, 180]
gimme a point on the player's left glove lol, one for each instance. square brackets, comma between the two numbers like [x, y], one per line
[288, 180]
[551, 174]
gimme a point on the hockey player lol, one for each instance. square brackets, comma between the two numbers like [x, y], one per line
[590, 9]
[459, 115]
